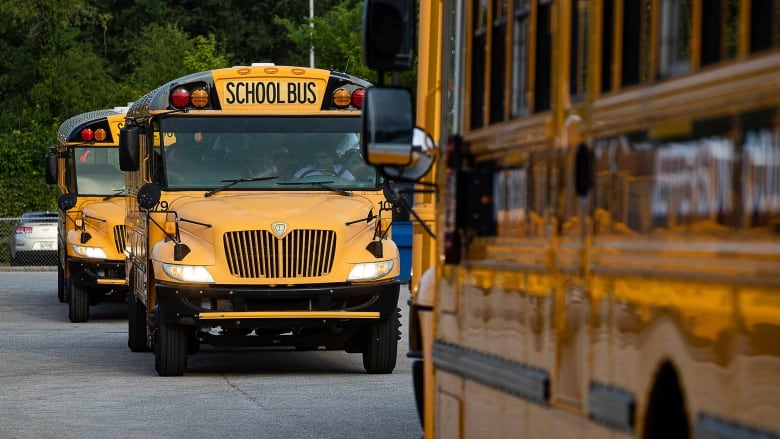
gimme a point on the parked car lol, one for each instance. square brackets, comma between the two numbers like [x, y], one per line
[35, 239]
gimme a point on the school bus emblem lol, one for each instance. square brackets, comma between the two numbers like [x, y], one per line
[279, 228]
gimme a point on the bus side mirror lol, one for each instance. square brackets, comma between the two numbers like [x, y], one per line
[386, 139]
[51, 168]
[67, 201]
[129, 150]
[388, 34]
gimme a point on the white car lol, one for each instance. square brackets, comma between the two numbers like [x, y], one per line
[35, 239]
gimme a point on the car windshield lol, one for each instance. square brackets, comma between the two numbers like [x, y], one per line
[39, 217]
[97, 170]
[274, 153]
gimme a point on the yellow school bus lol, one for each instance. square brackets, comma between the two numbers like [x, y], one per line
[84, 165]
[606, 261]
[252, 219]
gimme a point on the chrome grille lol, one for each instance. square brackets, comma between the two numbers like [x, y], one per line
[260, 254]
[119, 238]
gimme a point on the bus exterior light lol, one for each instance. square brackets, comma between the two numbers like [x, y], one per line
[100, 134]
[86, 135]
[89, 252]
[180, 98]
[357, 97]
[200, 98]
[188, 273]
[341, 98]
[370, 270]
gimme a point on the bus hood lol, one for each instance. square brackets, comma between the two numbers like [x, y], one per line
[277, 213]
[104, 226]
[111, 211]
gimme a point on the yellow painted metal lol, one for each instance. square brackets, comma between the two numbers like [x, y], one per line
[425, 249]
[217, 315]
[111, 282]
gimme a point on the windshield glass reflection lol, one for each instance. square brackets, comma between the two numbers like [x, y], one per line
[203, 153]
[97, 171]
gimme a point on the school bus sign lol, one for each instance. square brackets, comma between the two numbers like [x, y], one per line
[291, 91]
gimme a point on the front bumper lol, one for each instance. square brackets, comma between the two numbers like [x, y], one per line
[104, 274]
[276, 307]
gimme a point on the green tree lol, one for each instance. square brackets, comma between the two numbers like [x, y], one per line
[157, 58]
[204, 55]
[337, 37]
[22, 172]
[48, 72]
[73, 81]
[38, 41]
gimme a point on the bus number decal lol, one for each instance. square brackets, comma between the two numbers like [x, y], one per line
[245, 92]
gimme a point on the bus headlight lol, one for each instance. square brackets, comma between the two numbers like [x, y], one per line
[89, 252]
[188, 273]
[370, 270]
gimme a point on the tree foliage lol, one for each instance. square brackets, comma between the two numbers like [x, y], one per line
[166, 52]
[22, 169]
[65, 57]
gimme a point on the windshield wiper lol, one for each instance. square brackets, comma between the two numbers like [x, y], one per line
[237, 180]
[322, 184]
[117, 192]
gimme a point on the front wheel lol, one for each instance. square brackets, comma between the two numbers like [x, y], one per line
[78, 303]
[381, 346]
[170, 349]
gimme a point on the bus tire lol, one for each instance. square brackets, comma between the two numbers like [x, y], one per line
[60, 283]
[381, 345]
[78, 304]
[136, 320]
[170, 349]
[666, 413]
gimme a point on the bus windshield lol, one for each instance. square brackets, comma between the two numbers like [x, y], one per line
[97, 171]
[275, 153]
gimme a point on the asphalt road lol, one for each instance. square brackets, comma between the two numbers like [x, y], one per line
[64, 380]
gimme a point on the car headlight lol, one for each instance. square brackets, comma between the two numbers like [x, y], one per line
[188, 273]
[89, 252]
[370, 270]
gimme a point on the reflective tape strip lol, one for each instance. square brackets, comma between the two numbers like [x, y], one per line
[111, 281]
[216, 315]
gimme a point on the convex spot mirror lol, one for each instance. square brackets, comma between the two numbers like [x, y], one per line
[387, 126]
[67, 201]
[149, 196]
[423, 156]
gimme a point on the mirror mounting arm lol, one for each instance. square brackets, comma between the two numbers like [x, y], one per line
[175, 238]
[425, 227]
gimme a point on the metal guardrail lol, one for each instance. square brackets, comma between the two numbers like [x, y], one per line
[27, 261]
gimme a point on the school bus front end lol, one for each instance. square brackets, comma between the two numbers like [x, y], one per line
[236, 239]
[85, 166]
